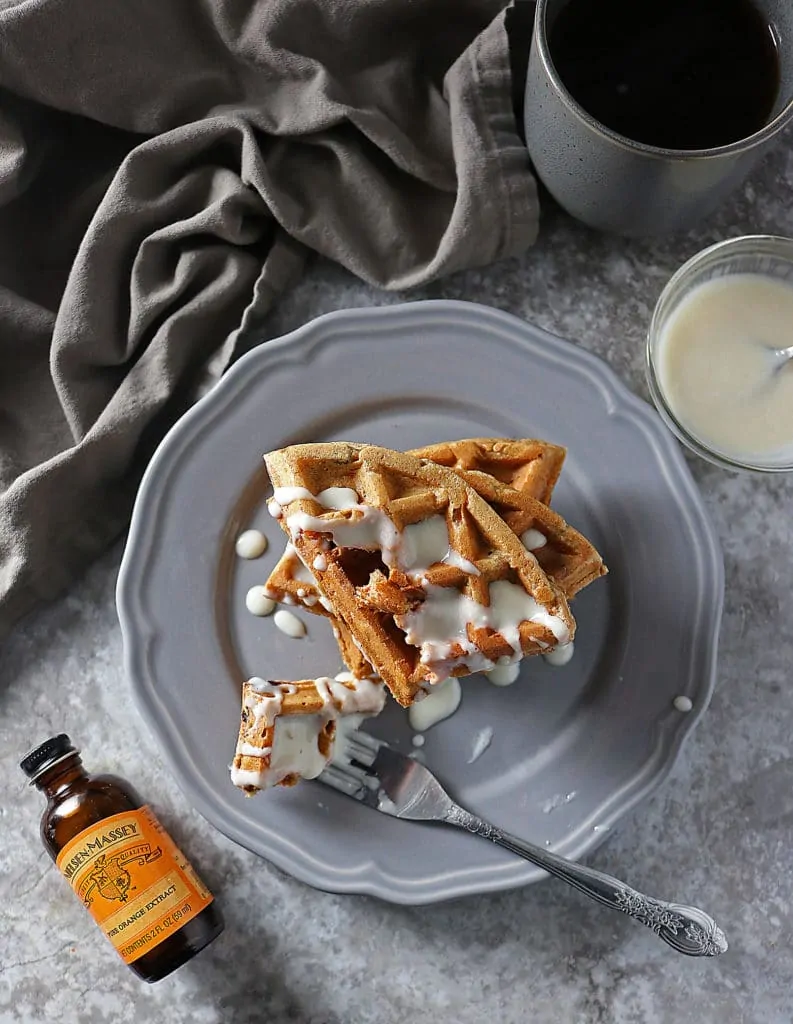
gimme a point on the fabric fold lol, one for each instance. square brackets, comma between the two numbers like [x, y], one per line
[165, 171]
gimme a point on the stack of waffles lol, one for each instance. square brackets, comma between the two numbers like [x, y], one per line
[438, 562]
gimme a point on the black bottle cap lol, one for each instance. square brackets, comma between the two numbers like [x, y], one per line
[46, 754]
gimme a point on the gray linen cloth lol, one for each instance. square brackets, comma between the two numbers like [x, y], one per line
[166, 166]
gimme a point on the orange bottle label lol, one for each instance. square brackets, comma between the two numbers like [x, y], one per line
[134, 880]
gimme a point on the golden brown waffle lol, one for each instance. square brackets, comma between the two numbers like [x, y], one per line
[527, 465]
[352, 656]
[487, 574]
[523, 475]
[265, 703]
[565, 555]
[531, 467]
[291, 583]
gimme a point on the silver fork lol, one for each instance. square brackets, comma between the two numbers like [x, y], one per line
[382, 778]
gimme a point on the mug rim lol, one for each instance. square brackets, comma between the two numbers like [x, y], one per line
[748, 142]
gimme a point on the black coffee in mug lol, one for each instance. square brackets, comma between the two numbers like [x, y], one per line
[679, 74]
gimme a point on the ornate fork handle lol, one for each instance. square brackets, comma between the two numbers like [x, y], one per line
[686, 929]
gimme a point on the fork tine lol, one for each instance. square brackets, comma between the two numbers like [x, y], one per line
[370, 741]
[360, 747]
[353, 771]
[373, 773]
[342, 781]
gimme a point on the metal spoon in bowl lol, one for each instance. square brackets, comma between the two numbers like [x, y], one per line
[781, 357]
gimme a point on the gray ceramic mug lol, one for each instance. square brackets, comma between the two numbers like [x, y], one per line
[615, 184]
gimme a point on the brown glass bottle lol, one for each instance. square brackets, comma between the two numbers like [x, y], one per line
[128, 872]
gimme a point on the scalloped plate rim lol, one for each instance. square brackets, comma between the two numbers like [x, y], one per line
[367, 878]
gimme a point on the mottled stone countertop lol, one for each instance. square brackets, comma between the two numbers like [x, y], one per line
[720, 830]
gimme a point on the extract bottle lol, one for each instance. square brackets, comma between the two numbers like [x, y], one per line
[121, 863]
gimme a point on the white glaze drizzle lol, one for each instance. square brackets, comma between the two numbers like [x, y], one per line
[533, 540]
[251, 544]
[289, 624]
[442, 701]
[258, 602]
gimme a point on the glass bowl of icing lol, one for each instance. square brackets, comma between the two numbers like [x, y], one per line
[714, 363]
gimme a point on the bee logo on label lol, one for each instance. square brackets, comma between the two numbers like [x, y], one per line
[109, 876]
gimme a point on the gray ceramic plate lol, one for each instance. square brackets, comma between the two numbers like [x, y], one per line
[573, 748]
